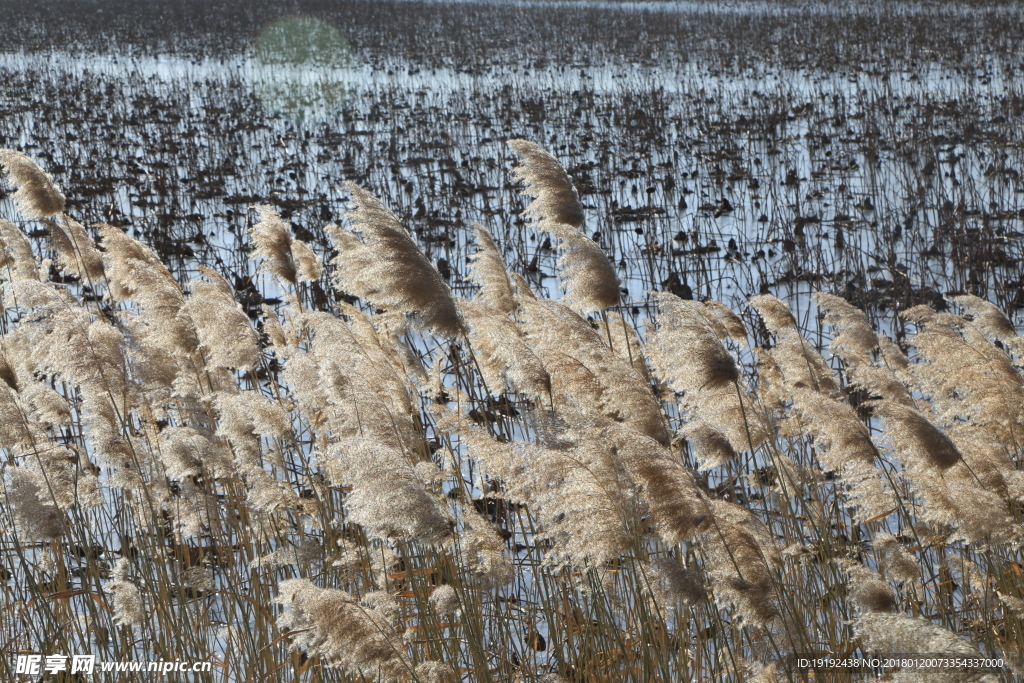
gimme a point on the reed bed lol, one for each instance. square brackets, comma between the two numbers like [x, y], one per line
[406, 483]
[562, 341]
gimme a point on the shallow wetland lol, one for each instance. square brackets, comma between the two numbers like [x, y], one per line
[393, 460]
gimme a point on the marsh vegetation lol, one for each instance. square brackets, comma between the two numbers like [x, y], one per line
[535, 341]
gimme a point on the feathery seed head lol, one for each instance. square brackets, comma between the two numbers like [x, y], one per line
[332, 623]
[585, 271]
[556, 201]
[889, 632]
[128, 605]
[855, 337]
[445, 600]
[867, 588]
[710, 446]
[16, 257]
[272, 240]
[76, 252]
[671, 583]
[915, 438]
[732, 324]
[387, 269]
[489, 272]
[686, 347]
[223, 328]
[588, 276]
[37, 195]
[31, 506]
[774, 312]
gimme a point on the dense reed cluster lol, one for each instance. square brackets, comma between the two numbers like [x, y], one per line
[407, 484]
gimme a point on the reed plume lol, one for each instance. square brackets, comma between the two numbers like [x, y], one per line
[845, 448]
[953, 493]
[880, 382]
[895, 561]
[671, 584]
[855, 340]
[799, 361]
[678, 508]
[988, 319]
[890, 377]
[801, 364]
[774, 312]
[135, 272]
[710, 446]
[77, 254]
[387, 269]
[388, 499]
[245, 418]
[16, 257]
[584, 497]
[37, 195]
[867, 589]
[556, 201]
[223, 329]
[892, 355]
[29, 503]
[740, 553]
[129, 608]
[185, 453]
[625, 342]
[888, 632]
[283, 255]
[489, 273]
[578, 486]
[978, 515]
[585, 271]
[347, 382]
[688, 355]
[916, 440]
[687, 348]
[842, 434]
[333, 623]
[968, 375]
[505, 360]
[586, 375]
[482, 552]
[732, 325]
[433, 671]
